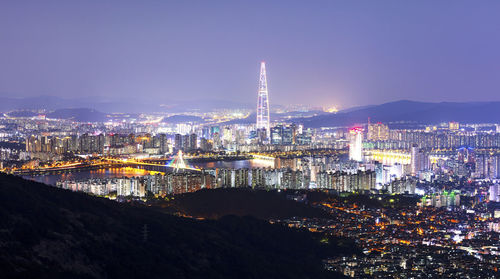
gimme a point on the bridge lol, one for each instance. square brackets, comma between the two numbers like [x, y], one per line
[176, 164]
[64, 168]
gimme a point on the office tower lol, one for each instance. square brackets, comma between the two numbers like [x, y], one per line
[263, 102]
[356, 144]
[185, 143]
[178, 141]
[205, 145]
[287, 135]
[163, 143]
[276, 135]
[281, 135]
[193, 143]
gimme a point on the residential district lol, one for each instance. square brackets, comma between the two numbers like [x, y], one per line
[421, 201]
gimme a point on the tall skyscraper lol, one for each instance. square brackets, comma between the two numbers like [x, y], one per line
[263, 102]
[356, 144]
[415, 159]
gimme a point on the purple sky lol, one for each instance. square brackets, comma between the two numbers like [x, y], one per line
[346, 53]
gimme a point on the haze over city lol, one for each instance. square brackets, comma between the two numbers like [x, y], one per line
[319, 53]
[250, 139]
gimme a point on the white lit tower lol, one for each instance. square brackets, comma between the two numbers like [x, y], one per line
[356, 144]
[263, 102]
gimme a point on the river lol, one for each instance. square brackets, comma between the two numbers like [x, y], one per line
[51, 179]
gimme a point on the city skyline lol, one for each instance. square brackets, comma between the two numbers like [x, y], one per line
[339, 54]
[250, 139]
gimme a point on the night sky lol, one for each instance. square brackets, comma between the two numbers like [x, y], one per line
[344, 53]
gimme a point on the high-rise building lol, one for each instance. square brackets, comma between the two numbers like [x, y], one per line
[193, 143]
[377, 131]
[277, 134]
[419, 160]
[178, 141]
[454, 125]
[356, 144]
[263, 102]
[495, 193]
[282, 134]
[162, 138]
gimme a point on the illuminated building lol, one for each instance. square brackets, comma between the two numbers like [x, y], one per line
[390, 157]
[402, 186]
[193, 143]
[487, 166]
[495, 193]
[263, 102]
[445, 199]
[163, 143]
[276, 135]
[205, 144]
[356, 144]
[347, 182]
[178, 141]
[419, 160]
[377, 131]
[282, 135]
[454, 125]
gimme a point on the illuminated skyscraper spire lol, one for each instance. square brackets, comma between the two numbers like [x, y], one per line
[263, 102]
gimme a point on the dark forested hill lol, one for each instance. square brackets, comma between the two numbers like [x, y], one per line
[261, 204]
[47, 232]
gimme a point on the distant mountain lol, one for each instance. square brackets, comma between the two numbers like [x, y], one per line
[181, 118]
[22, 113]
[205, 105]
[124, 105]
[53, 103]
[251, 118]
[419, 112]
[356, 108]
[79, 115]
[52, 233]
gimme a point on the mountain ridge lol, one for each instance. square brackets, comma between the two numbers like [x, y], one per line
[410, 111]
[48, 232]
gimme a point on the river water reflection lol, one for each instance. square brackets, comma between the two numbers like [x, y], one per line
[130, 172]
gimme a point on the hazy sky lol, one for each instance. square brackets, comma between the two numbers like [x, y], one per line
[318, 52]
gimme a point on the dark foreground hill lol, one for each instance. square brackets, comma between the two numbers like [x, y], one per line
[47, 232]
[261, 204]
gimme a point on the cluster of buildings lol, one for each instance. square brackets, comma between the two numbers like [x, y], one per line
[184, 182]
[360, 182]
[411, 241]
[443, 199]
[105, 144]
[380, 159]
[284, 178]
[138, 187]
